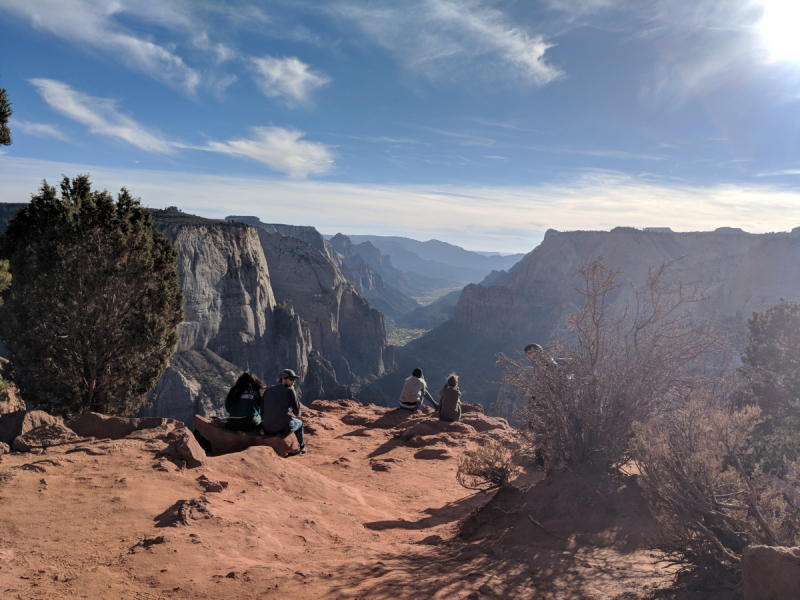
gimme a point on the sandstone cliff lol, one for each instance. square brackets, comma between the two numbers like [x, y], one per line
[739, 272]
[344, 328]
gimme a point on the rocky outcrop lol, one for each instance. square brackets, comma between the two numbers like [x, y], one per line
[771, 573]
[22, 422]
[45, 436]
[225, 441]
[100, 426]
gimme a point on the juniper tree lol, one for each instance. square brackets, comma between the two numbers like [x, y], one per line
[771, 372]
[91, 318]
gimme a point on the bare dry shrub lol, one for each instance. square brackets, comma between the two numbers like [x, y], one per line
[490, 466]
[626, 362]
[708, 504]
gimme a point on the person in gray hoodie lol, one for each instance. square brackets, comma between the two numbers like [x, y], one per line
[415, 391]
[450, 404]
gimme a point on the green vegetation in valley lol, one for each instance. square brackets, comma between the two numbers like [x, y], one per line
[397, 336]
[91, 317]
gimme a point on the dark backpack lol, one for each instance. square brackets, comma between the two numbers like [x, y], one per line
[244, 403]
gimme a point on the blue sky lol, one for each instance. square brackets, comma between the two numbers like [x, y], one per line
[482, 123]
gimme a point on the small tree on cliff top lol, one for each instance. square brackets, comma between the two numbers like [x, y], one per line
[627, 363]
[5, 115]
[91, 317]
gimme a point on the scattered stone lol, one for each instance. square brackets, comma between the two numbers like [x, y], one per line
[226, 441]
[4, 448]
[379, 465]
[45, 436]
[771, 573]
[431, 540]
[151, 541]
[185, 511]
[211, 485]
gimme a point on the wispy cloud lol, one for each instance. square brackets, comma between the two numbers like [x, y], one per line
[94, 24]
[287, 78]
[280, 149]
[44, 130]
[100, 115]
[434, 36]
[779, 173]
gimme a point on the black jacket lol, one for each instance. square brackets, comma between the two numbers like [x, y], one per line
[278, 404]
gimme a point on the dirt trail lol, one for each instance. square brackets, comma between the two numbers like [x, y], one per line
[364, 514]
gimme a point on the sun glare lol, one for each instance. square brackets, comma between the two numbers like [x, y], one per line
[780, 27]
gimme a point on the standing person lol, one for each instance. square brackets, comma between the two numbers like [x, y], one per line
[450, 403]
[415, 391]
[279, 407]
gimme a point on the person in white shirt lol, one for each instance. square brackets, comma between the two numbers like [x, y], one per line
[415, 391]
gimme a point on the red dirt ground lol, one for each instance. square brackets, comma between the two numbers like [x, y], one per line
[365, 514]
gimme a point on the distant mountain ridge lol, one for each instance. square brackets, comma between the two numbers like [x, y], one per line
[442, 253]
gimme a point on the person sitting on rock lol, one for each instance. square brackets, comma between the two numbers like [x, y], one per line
[244, 403]
[280, 407]
[450, 403]
[415, 391]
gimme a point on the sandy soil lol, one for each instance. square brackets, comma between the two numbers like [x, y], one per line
[365, 514]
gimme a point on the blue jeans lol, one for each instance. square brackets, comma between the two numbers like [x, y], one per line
[296, 425]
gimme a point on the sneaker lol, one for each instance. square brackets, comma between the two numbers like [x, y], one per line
[303, 450]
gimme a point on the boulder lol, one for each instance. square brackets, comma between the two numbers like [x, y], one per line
[225, 441]
[475, 407]
[21, 422]
[102, 427]
[4, 448]
[771, 573]
[51, 434]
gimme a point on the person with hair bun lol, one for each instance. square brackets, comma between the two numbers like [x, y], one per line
[450, 403]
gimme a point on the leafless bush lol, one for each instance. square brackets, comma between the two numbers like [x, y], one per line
[708, 504]
[488, 467]
[627, 362]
